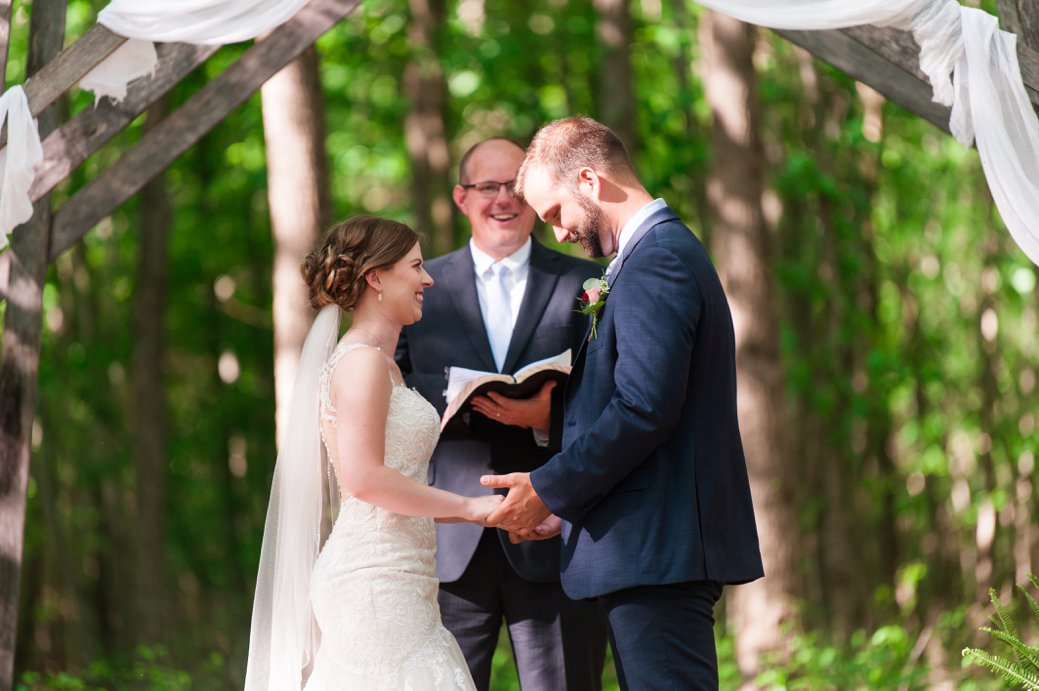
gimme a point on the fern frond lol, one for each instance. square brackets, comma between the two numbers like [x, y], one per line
[1034, 580]
[1031, 600]
[1005, 622]
[1025, 654]
[1005, 668]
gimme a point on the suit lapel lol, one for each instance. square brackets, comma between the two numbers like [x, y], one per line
[665, 214]
[460, 283]
[541, 283]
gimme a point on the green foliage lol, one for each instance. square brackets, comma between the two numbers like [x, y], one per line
[1023, 669]
[151, 669]
[883, 660]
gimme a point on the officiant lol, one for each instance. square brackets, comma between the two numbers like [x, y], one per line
[500, 302]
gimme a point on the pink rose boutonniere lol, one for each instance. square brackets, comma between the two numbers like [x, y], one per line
[593, 298]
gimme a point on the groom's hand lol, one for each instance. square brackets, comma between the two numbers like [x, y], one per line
[522, 511]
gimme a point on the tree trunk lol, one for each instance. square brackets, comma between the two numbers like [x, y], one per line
[616, 95]
[741, 243]
[424, 127]
[148, 430]
[19, 367]
[298, 195]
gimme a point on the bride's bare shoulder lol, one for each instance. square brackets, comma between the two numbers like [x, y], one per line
[361, 370]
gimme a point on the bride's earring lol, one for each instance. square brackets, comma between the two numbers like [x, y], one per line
[379, 299]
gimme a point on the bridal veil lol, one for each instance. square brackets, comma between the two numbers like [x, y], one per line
[284, 636]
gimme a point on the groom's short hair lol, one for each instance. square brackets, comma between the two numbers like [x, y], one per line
[564, 146]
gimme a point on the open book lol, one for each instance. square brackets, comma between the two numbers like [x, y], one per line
[463, 384]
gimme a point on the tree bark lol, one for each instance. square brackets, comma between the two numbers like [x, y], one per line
[741, 244]
[19, 367]
[616, 93]
[298, 196]
[424, 127]
[148, 431]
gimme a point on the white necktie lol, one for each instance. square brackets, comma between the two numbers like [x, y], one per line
[499, 312]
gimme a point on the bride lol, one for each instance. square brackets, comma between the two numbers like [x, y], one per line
[361, 614]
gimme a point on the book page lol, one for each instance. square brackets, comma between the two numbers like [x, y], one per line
[458, 377]
[560, 362]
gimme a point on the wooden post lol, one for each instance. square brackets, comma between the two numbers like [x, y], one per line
[5, 44]
[19, 366]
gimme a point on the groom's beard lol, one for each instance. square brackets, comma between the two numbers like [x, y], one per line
[587, 231]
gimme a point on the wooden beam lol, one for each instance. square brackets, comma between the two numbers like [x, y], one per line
[81, 137]
[174, 135]
[65, 71]
[888, 60]
[900, 48]
[1028, 17]
[1008, 17]
[866, 65]
[20, 359]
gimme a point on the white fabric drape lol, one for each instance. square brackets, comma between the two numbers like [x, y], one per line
[142, 21]
[973, 68]
[284, 634]
[214, 22]
[18, 160]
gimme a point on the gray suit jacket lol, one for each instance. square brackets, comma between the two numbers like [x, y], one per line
[452, 333]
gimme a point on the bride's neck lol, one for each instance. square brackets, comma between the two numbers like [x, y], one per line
[378, 327]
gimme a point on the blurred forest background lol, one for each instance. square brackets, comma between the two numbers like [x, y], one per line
[887, 330]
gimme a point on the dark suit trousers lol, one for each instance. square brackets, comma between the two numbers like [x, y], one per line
[663, 636]
[557, 643]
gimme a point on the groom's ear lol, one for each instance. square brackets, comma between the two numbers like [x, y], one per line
[588, 182]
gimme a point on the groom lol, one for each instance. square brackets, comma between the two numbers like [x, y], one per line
[651, 485]
[557, 643]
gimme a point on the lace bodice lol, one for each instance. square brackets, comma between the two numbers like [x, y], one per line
[374, 585]
[412, 426]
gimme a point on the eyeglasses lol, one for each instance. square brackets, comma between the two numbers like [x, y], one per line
[489, 188]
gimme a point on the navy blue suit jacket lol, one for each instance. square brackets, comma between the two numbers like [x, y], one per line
[452, 333]
[652, 482]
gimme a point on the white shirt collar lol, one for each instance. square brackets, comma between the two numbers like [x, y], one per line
[517, 262]
[635, 221]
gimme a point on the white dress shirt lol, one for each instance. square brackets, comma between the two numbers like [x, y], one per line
[630, 227]
[519, 266]
[484, 266]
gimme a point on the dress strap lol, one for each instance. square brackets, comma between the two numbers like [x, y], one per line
[328, 410]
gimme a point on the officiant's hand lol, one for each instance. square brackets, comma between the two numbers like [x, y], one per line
[522, 511]
[535, 411]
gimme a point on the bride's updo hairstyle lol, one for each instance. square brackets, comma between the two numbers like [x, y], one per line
[334, 273]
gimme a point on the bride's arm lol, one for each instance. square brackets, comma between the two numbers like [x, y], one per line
[360, 391]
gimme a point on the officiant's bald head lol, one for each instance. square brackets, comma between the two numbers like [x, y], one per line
[500, 223]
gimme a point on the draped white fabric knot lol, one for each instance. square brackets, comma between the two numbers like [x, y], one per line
[936, 28]
[18, 161]
[972, 67]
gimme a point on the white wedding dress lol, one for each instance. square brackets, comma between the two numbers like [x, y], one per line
[374, 586]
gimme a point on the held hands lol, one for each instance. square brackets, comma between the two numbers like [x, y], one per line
[535, 411]
[522, 512]
[477, 509]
